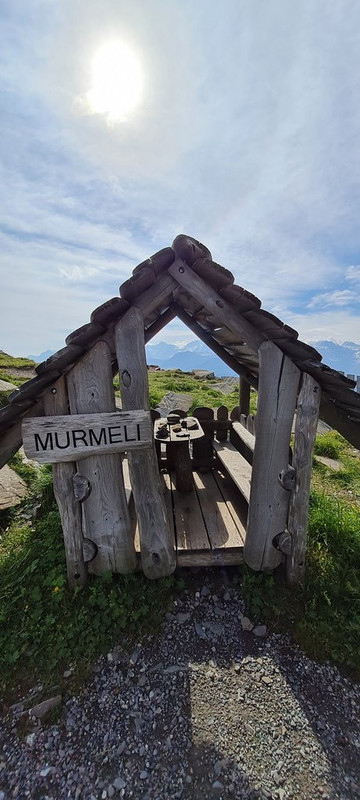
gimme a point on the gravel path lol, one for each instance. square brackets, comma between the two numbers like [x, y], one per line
[201, 711]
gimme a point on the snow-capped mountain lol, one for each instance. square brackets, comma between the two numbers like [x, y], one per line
[343, 357]
[195, 355]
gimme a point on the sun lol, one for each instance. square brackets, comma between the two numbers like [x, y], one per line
[117, 82]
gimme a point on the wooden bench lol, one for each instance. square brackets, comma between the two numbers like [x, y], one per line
[243, 440]
[235, 465]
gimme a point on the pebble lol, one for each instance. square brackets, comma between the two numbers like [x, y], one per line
[246, 624]
[198, 710]
[119, 784]
[259, 630]
[42, 708]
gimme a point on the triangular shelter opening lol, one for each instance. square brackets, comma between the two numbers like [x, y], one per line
[218, 490]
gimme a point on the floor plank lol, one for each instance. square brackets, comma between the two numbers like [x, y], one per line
[210, 558]
[235, 502]
[189, 524]
[220, 525]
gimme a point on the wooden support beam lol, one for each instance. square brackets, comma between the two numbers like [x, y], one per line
[158, 557]
[157, 326]
[244, 396]
[268, 508]
[340, 420]
[56, 402]
[11, 440]
[305, 431]
[106, 515]
[157, 296]
[213, 345]
[222, 312]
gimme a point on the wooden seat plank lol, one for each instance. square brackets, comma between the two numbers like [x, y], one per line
[243, 440]
[220, 525]
[236, 465]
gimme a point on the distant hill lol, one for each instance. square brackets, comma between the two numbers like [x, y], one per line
[42, 356]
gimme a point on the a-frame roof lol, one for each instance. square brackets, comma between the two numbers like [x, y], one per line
[183, 281]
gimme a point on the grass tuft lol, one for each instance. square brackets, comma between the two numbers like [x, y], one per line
[323, 615]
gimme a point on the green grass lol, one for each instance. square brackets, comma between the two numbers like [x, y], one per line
[330, 444]
[9, 361]
[43, 627]
[202, 391]
[323, 615]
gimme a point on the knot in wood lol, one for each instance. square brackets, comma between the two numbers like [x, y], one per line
[126, 378]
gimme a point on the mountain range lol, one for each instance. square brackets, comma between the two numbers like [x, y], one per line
[196, 355]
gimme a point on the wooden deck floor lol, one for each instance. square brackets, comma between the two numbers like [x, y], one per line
[209, 522]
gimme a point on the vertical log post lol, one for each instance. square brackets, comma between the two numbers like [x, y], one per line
[106, 516]
[244, 396]
[305, 431]
[56, 404]
[222, 416]
[158, 557]
[268, 507]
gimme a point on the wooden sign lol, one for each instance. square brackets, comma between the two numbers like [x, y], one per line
[72, 437]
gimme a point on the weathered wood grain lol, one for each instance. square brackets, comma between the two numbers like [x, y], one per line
[56, 402]
[213, 345]
[11, 440]
[339, 420]
[220, 526]
[244, 396]
[157, 543]
[243, 440]
[236, 466]
[235, 502]
[159, 323]
[106, 515]
[202, 448]
[210, 558]
[305, 431]
[190, 528]
[156, 298]
[76, 437]
[222, 312]
[268, 507]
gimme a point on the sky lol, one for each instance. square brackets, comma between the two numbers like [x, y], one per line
[237, 123]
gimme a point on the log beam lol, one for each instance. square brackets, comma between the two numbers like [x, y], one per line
[217, 348]
[244, 396]
[222, 312]
[156, 538]
[305, 431]
[268, 507]
[106, 515]
[56, 402]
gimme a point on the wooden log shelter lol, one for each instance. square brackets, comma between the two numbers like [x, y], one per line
[211, 489]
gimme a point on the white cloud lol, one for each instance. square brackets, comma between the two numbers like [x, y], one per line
[338, 325]
[247, 139]
[336, 298]
[353, 274]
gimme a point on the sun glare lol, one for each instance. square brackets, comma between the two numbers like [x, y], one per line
[116, 82]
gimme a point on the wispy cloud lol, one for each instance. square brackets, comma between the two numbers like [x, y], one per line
[336, 298]
[353, 274]
[246, 138]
